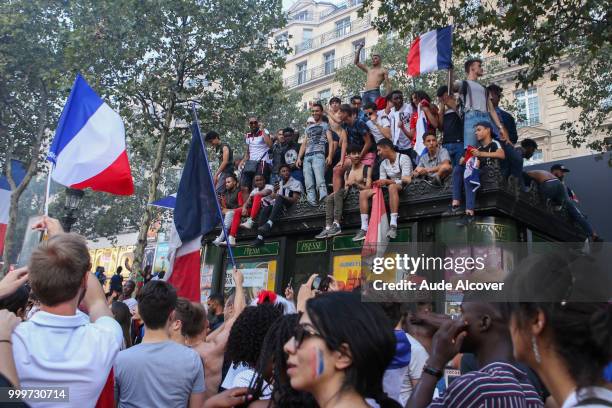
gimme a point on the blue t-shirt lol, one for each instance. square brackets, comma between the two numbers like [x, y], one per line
[357, 133]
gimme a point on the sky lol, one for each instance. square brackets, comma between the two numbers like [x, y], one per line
[287, 4]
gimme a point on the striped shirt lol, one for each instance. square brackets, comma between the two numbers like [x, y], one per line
[495, 385]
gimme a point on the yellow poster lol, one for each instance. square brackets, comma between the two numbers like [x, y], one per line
[347, 269]
[125, 259]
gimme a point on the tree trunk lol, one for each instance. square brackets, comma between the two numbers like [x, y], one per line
[145, 221]
[17, 190]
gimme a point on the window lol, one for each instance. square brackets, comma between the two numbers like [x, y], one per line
[343, 26]
[528, 107]
[329, 59]
[301, 72]
[302, 16]
[324, 96]
[306, 34]
[356, 45]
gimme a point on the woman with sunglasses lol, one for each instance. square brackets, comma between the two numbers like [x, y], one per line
[340, 350]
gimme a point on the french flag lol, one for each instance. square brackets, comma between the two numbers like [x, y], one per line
[431, 51]
[18, 173]
[376, 240]
[89, 145]
[195, 214]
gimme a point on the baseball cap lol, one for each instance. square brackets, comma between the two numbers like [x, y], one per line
[559, 166]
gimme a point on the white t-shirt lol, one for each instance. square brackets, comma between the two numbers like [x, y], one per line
[396, 117]
[418, 358]
[475, 97]
[266, 200]
[402, 166]
[382, 120]
[66, 351]
[258, 148]
[131, 303]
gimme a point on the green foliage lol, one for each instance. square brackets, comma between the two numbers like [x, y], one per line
[538, 36]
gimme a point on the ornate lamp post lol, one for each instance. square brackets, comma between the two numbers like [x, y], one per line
[71, 207]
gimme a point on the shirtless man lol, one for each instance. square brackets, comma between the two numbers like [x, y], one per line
[335, 118]
[375, 77]
[359, 178]
[212, 349]
[552, 189]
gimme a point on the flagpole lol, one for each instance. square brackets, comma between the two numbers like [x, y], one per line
[197, 125]
[48, 190]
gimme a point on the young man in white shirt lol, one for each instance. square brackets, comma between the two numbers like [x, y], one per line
[258, 143]
[400, 125]
[61, 346]
[141, 370]
[395, 173]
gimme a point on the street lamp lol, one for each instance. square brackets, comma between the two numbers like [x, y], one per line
[71, 207]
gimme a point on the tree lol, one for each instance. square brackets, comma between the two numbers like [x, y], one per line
[534, 35]
[173, 54]
[32, 80]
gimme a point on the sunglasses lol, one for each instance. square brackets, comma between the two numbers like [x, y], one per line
[302, 333]
[253, 123]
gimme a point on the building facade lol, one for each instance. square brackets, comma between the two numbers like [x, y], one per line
[323, 37]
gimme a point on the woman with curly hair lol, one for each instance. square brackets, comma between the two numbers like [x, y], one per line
[245, 342]
[339, 351]
[272, 369]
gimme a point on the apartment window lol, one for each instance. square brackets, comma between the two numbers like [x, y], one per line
[538, 157]
[362, 53]
[329, 59]
[343, 26]
[324, 96]
[528, 107]
[306, 34]
[301, 72]
[302, 16]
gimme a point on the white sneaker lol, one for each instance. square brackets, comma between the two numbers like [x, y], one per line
[219, 240]
[248, 224]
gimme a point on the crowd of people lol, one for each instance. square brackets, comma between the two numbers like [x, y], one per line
[386, 143]
[328, 349]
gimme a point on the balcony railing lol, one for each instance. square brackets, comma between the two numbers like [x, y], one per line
[333, 35]
[323, 70]
[316, 17]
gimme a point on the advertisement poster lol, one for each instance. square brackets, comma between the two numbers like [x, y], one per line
[206, 275]
[107, 258]
[347, 269]
[161, 258]
[257, 276]
[149, 256]
[126, 257]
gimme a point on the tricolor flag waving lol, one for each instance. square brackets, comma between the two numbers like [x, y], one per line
[89, 145]
[376, 239]
[431, 51]
[196, 213]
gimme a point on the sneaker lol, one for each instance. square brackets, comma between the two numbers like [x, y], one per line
[248, 224]
[322, 234]
[219, 240]
[231, 242]
[392, 233]
[436, 181]
[333, 231]
[360, 235]
[264, 229]
[466, 220]
[258, 243]
[453, 210]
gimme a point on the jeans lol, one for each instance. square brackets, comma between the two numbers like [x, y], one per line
[469, 123]
[314, 177]
[455, 151]
[334, 204]
[272, 212]
[459, 184]
[555, 191]
[370, 96]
